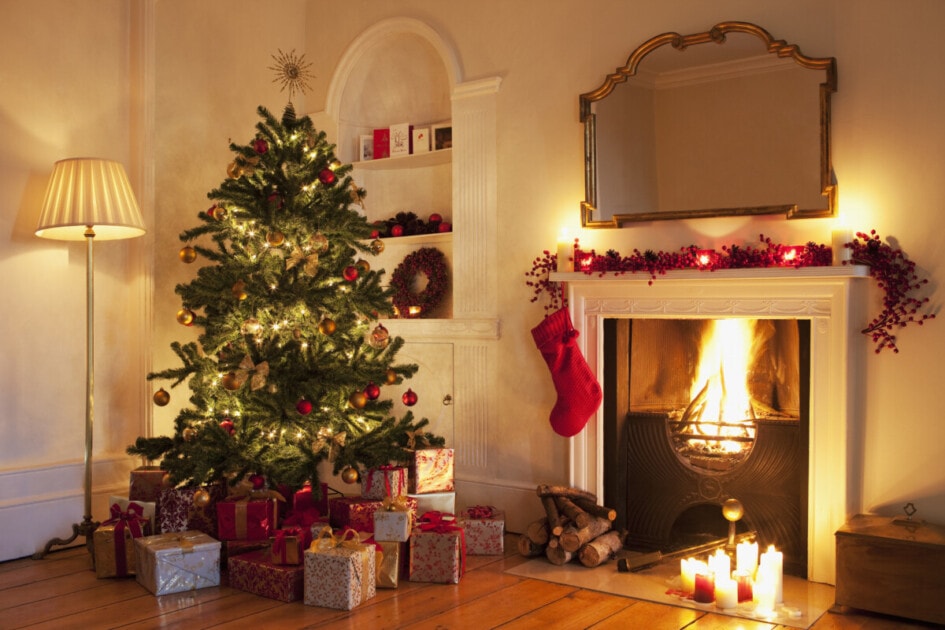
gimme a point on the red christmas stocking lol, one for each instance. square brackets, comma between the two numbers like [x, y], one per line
[579, 393]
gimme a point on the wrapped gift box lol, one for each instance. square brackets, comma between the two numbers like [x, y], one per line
[444, 502]
[437, 551]
[392, 525]
[306, 499]
[254, 573]
[383, 482]
[177, 562]
[358, 513]
[339, 574]
[231, 548]
[431, 470]
[113, 542]
[288, 545]
[246, 519]
[146, 483]
[148, 509]
[391, 563]
[485, 530]
[176, 511]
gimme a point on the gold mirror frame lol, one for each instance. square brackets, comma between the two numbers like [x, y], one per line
[716, 35]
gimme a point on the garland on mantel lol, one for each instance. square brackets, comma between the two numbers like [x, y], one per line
[893, 272]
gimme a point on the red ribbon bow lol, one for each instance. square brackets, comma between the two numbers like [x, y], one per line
[480, 511]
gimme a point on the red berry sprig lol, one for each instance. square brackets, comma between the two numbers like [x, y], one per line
[895, 275]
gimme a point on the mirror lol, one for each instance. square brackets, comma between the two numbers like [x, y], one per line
[729, 122]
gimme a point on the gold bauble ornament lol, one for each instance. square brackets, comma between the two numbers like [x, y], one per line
[219, 213]
[233, 170]
[185, 317]
[166, 481]
[377, 246]
[239, 290]
[380, 337]
[231, 381]
[391, 377]
[327, 326]
[189, 434]
[363, 266]
[201, 498]
[319, 243]
[251, 326]
[275, 238]
[187, 254]
[161, 397]
[357, 400]
[350, 475]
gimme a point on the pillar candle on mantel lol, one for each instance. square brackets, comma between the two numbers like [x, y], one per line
[763, 593]
[839, 237]
[720, 564]
[772, 566]
[746, 557]
[726, 592]
[565, 252]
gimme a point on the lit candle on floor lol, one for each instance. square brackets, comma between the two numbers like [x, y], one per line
[726, 592]
[688, 569]
[763, 593]
[704, 591]
[743, 579]
[746, 557]
[772, 561]
[720, 564]
[565, 252]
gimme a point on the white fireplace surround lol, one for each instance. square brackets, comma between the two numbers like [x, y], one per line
[828, 296]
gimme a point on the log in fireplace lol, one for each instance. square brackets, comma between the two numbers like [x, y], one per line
[700, 411]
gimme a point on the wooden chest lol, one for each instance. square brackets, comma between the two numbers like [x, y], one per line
[892, 566]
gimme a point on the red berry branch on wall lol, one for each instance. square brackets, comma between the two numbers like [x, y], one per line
[893, 271]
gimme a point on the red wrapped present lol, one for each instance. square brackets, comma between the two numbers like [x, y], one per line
[340, 572]
[231, 548]
[288, 544]
[148, 509]
[358, 514]
[383, 482]
[146, 484]
[485, 530]
[437, 550]
[431, 470]
[113, 542]
[254, 573]
[246, 519]
[190, 508]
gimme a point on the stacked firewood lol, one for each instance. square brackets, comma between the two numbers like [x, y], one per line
[575, 527]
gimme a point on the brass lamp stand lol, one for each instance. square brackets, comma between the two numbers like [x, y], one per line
[88, 198]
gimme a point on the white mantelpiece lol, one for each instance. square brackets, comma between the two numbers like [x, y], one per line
[828, 296]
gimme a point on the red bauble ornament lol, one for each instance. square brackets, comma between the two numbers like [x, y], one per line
[410, 398]
[260, 145]
[258, 481]
[350, 273]
[304, 407]
[397, 230]
[375, 233]
[372, 391]
[327, 177]
[227, 425]
[436, 217]
[445, 227]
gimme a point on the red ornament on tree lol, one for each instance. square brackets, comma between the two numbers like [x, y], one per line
[410, 398]
[327, 177]
[351, 273]
[260, 145]
[372, 391]
[304, 407]
[258, 481]
[227, 425]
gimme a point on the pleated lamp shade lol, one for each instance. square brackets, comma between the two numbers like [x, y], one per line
[89, 193]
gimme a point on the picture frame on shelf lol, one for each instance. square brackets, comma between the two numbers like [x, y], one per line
[442, 136]
[365, 147]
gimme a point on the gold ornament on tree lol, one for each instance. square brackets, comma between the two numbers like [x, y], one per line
[239, 290]
[327, 326]
[187, 254]
[334, 442]
[309, 262]
[275, 238]
[357, 400]
[189, 434]
[391, 377]
[292, 71]
[319, 242]
[201, 498]
[380, 337]
[185, 317]
[256, 373]
[161, 397]
[350, 475]
[377, 246]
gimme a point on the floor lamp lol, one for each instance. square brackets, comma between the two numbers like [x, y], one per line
[88, 199]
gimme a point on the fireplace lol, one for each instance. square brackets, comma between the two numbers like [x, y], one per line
[826, 303]
[710, 409]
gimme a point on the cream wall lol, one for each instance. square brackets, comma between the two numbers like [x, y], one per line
[210, 71]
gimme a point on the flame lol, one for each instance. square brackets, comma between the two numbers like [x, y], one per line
[721, 382]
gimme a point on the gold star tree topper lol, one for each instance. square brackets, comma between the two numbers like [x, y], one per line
[292, 71]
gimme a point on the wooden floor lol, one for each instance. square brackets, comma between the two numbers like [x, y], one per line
[60, 592]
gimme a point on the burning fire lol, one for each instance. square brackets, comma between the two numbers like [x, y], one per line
[721, 407]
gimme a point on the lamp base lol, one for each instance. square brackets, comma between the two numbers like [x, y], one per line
[85, 528]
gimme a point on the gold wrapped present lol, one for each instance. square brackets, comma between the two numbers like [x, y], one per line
[113, 542]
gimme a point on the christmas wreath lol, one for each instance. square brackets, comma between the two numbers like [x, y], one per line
[426, 260]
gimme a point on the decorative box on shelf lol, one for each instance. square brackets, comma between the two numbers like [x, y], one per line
[891, 566]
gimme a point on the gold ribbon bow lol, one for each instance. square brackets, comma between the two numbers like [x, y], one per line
[309, 262]
[416, 436]
[333, 441]
[256, 374]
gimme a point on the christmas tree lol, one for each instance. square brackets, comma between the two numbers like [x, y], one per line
[289, 369]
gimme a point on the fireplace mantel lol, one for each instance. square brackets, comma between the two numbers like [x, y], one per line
[830, 297]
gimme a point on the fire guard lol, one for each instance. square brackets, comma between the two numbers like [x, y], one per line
[698, 411]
